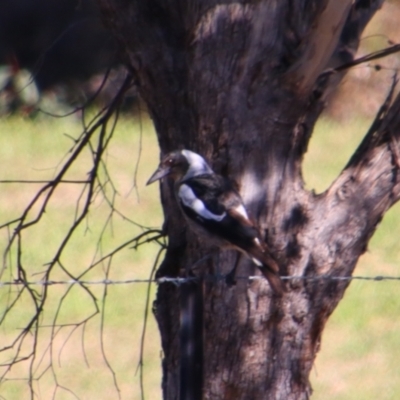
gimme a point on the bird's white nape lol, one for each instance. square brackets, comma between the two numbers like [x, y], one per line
[197, 164]
[189, 199]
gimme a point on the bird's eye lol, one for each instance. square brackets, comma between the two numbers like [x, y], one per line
[170, 161]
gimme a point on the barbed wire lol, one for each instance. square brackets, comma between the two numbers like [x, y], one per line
[181, 280]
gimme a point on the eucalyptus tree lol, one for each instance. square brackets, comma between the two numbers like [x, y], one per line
[243, 84]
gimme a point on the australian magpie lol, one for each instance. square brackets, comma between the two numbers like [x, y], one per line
[215, 210]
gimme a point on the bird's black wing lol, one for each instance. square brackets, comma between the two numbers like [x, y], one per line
[208, 188]
[218, 208]
[211, 202]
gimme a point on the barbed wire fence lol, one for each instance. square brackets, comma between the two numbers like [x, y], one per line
[181, 280]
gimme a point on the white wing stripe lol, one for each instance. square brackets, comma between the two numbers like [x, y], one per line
[190, 200]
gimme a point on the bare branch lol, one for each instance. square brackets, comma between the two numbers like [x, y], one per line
[145, 319]
[95, 137]
[369, 57]
[377, 130]
[368, 185]
[103, 351]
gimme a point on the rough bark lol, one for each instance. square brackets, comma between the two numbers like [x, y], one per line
[243, 83]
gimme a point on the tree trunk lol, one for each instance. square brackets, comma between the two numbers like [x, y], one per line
[242, 83]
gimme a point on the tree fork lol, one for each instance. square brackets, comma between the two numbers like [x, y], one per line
[243, 84]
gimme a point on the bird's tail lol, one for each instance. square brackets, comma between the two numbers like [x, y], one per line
[274, 280]
[269, 268]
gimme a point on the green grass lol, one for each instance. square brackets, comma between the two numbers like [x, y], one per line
[32, 149]
[360, 346]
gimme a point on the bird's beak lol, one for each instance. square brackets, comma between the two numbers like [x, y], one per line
[160, 173]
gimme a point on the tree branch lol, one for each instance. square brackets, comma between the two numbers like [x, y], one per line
[321, 44]
[370, 183]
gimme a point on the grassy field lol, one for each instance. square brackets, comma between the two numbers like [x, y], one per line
[361, 344]
[33, 150]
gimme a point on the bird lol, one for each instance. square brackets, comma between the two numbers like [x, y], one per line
[215, 210]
